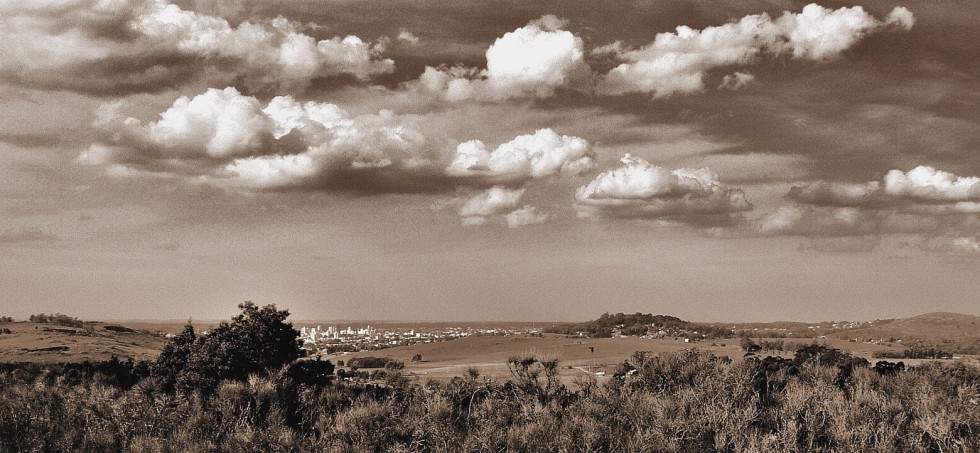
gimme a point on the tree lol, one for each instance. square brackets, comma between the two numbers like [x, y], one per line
[311, 372]
[257, 341]
[174, 356]
[750, 346]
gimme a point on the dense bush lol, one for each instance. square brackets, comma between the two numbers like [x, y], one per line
[6, 319]
[686, 402]
[112, 372]
[915, 352]
[57, 318]
[375, 362]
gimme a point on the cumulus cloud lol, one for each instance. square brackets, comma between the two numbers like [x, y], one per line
[927, 183]
[492, 204]
[678, 62]
[92, 45]
[531, 61]
[922, 201]
[407, 37]
[225, 138]
[229, 139]
[543, 153]
[273, 52]
[640, 189]
[527, 215]
[493, 201]
[922, 184]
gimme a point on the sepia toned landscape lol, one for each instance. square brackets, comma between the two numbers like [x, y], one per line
[622, 382]
[489, 226]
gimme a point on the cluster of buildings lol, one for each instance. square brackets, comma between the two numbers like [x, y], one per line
[317, 334]
[334, 339]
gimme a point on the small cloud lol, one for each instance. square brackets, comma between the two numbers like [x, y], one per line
[803, 220]
[167, 246]
[474, 221]
[736, 81]
[967, 246]
[846, 244]
[407, 37]
[528, 215]
[900, 17]
[495, 200]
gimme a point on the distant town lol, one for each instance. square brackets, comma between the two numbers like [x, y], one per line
[333, 339]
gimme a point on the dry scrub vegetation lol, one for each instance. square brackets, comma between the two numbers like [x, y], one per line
[823, 400]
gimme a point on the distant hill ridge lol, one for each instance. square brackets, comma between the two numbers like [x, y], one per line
[946, 316]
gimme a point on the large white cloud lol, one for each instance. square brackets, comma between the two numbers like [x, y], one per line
[103, 45]
[531, 61]
[678, 62]
[221, 122]
[226, 138]
[543, 153]
[230, 139]
[640, 189]
[927, 183]
[273, 52]
[922, 201]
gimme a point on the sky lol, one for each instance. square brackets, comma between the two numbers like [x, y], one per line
[494, 161]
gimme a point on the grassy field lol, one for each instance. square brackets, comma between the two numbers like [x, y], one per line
[579, 357]
[489, 354]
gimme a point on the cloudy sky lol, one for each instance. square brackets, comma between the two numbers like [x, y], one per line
[458, 160]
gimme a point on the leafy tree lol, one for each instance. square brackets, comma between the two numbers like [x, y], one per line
[257, 341]
[749, 346]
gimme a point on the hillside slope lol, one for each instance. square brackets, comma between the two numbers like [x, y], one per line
[48, 343]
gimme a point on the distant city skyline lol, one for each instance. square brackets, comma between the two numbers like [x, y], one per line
[507, 161]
